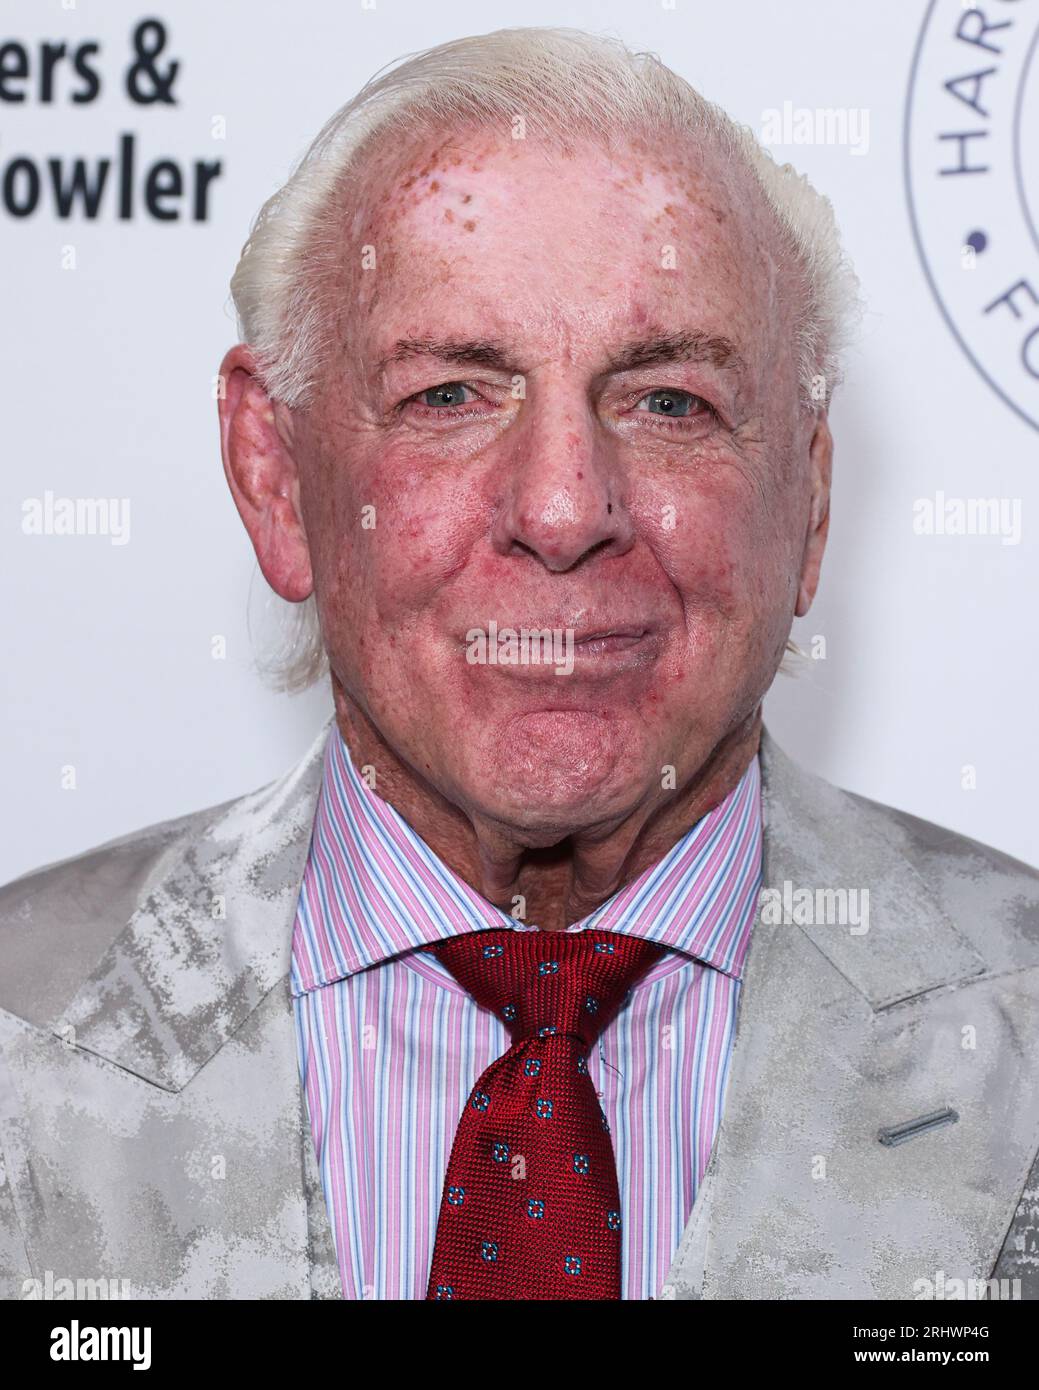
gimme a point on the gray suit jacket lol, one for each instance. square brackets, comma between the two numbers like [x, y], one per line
[154, 1131]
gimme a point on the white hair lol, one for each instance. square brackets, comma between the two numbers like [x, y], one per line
[563, 83]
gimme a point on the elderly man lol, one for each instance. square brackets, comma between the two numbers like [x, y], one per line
[478, 1002]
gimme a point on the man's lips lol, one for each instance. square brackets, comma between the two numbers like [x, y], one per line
[597, 646]
[614, 639]
[587, 630]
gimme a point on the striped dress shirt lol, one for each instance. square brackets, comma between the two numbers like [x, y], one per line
[390, 1045]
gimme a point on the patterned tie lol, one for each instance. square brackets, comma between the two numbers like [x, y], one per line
[531, 1207]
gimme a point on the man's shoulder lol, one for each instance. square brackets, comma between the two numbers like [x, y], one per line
[937, 847]
[988, 895]
[57, 921]
[992, 897]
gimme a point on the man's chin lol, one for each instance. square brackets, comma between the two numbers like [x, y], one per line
[552, 772]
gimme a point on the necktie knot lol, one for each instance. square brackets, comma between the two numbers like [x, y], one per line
[543, 984]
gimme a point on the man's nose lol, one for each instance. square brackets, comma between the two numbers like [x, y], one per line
[563, 498]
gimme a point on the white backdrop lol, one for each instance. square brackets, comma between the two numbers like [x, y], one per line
[114, 327]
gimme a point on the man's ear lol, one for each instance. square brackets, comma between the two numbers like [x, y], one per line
[820, 457]
[255, 441]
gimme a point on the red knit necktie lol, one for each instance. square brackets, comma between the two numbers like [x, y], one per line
[531, 1207]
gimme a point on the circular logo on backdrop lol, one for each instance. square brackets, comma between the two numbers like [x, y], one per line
[972, 180]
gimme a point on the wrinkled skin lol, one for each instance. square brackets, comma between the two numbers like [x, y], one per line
[580, 504]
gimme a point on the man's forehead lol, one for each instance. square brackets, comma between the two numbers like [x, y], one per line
[482, 191]
[659, 169]
[480, 281]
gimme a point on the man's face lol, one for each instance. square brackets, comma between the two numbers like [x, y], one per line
[658, 512]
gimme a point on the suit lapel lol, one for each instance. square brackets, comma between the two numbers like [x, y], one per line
[839, 1035]
[211, 936]
[193, 999]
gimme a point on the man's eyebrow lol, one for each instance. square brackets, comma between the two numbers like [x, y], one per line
[484, 352]
[686, 346]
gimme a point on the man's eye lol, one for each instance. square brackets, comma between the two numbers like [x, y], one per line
[675, 404]
[451, 393]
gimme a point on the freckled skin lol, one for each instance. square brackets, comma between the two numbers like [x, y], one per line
[572, 506]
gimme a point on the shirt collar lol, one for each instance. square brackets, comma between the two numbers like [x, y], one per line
[373, 888]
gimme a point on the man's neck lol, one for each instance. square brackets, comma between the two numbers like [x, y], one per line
[564, 883]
